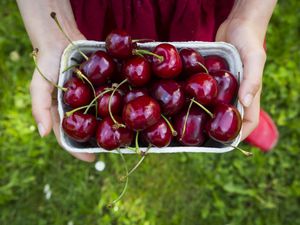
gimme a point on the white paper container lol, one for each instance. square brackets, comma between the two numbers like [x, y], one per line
[225, 50]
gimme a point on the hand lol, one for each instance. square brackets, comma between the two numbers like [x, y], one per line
[44, 109]
[246, 37]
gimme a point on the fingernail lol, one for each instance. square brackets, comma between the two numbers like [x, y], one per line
[247, 100]
[41, 130]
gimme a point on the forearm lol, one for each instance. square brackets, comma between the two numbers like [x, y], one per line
[41, 28]
[255, 12]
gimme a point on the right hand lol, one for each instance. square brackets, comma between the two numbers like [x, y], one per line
[44, 108]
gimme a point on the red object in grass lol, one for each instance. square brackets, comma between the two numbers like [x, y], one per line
[265, 136]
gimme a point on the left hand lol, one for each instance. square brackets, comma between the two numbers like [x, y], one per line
[245, 37]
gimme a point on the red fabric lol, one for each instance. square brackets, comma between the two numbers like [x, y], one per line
[265, 136]
[163, 20]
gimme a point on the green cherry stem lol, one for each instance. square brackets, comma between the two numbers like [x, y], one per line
[186, 118]
[126, 182]
[199, 63]
[137, 147]
[174, 132]
[248, 154]
[137, 165]
[53, 16]
[34, 56]
[202, 107]
[82, 76]
[77, 109]
[116, 123]
[142, 40]
[146, 52]
[98, 96]
[69, 67]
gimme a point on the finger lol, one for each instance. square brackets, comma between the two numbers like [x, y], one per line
[40, 91]
[251, 116]
[87, 157]
[254, 62]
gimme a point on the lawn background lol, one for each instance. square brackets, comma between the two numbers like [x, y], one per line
[167, 189]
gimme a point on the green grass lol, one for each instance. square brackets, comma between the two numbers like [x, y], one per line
[167, 189]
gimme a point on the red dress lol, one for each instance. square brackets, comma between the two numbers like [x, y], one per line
[161, 20]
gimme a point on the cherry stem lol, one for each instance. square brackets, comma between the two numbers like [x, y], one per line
[146, 52]
[248, 154]
[199, 63]
[174, 132]
[53, 16]
[34, 56]
[142, 40]
[202, 107]
[126, 182]
[69, 67]
[186, 118]
[116, 123]
[98, 96]
[137, 147]
[137, 165]
[82, 76]
[77, 109]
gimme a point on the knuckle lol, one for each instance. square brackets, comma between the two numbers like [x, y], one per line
[34, 111]
[255, 122]
[261, 54]
[256, 84]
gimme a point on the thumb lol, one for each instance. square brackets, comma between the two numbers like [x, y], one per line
[254, 62]
[40, 91]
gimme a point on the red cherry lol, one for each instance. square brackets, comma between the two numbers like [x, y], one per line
[110, 138]
[78, 93]
[79, 127]
[193, 134]
[215, 62]
[170, 66]
[202, 87]
[158, 134]
[119, 44]
[133, 94]
[98, 68]
[192, 61]
[227, 86]
[141, 113]
[169, 95]
[103, 102]
[225, 124]
[137, 71]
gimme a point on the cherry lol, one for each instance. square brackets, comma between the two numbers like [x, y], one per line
[103, 102]
[203, 87]
[133, 94]
[78, 93]
[192, 61]
[170, 65]
[227, 86]
[119, 44]
[225, 124]
[137, 71]
[141, 113]
[189, 125]
[169, 95]
[98, 68]
[158, 134]
[79, 126]
[110, 138]
[215, 62]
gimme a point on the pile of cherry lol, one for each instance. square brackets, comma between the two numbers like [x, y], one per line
[154, 97]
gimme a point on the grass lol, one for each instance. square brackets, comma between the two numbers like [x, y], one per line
[167, 189]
